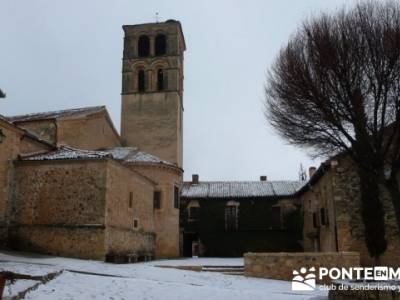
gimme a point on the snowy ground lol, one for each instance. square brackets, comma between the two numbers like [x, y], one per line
[141, 280]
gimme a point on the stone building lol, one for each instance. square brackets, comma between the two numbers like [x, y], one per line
[332, 213]
[231, 218]
[70, 185]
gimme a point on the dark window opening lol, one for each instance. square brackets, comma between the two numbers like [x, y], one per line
[176, 197]
[324, 216]
[231, 217]
[130, 199]
[161, 44]
[135, 223]
[316, 220]
[194, 213]
[157, 200]
[141, 81]
[276, 217]
[2, 136]
[160, 80]
[144, 46]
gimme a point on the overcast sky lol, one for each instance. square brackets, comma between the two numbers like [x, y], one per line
[67, 54]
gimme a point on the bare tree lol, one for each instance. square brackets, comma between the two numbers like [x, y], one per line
[335, 87]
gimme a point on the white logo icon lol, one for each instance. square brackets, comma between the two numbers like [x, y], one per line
[381, 273]
[303, 280]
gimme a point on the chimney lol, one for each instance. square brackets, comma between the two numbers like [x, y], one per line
[195, 179]
[311, 171]
[263, 178]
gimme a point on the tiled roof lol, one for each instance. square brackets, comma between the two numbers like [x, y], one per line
[75, 112]
[125, 154]
[240, 189]
[134, 155]
[65, 153]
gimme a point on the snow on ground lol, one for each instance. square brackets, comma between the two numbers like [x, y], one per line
[145, 280]
[201, 261]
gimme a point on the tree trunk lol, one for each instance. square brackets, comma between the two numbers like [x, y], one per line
[372, 214]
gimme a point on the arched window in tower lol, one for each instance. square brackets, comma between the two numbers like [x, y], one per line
[161, 44]
[141, 81]
[160, 80]
[144, 46]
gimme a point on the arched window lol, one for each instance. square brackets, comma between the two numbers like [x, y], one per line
[232, 215]
[141, 81]
[144, 46]
[161, 44]
[160, 80]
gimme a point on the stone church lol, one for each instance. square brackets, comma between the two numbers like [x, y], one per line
[70, 185]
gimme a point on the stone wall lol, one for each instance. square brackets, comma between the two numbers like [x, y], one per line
[350, 226]
[129, 242]
[64, 192]
[129, 197]
[153, 122]
[92, 133]
[45, 129]
[82, 241]
[59, 208]
[281, 265]
[166, 218]
[320, 196]
[15, 142]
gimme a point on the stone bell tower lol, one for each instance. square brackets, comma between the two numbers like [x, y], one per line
[152, 89]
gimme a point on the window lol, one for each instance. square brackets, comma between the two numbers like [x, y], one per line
[324, 216]
[141, 81]
[316, 220]
[130, 199]
[161, 44]
[176, 197]
[160, 80]
[2, 136]
[135, 223]
[193, 211]
[157, 200]
[231, 215]
[143, 46]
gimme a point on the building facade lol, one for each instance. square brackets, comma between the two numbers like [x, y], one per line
[332, 213]
[232, 218]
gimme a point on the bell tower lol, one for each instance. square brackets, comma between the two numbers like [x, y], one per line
[152, 89]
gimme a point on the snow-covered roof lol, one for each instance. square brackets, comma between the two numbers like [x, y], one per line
[240, 189]
[75, 112]
[64, 153]
[125, 154]
[134, 155]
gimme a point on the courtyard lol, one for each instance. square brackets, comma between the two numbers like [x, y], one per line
[86, 279]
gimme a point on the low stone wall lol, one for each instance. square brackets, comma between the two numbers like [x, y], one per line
[127, 241]
[281, 265]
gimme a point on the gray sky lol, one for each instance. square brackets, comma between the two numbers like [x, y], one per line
[67, 54]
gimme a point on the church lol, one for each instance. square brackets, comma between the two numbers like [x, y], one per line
[71, 185]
